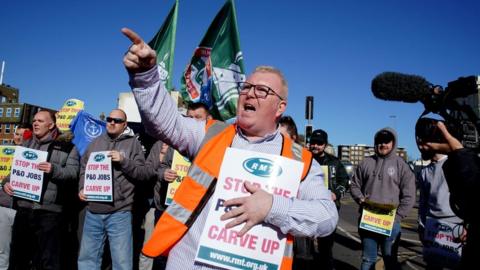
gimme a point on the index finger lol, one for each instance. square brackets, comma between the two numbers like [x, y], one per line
[134, 37]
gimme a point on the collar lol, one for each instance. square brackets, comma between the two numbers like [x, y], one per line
[266, 138]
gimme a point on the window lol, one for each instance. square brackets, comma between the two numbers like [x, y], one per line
[9, 112]
[17, 112]
[1, 112]
[7, 128]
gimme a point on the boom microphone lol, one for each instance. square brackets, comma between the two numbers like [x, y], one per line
[401, 87]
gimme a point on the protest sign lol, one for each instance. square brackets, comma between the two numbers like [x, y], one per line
[25, 177]
[440, 246]
[98, 177]
[6, 158]
[378, 218]
[180, 165]
[326, 175]
[68, 112]
[263, 246]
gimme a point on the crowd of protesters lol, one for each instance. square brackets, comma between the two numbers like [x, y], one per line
[136, 230]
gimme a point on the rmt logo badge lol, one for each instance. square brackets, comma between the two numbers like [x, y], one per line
[8, 151]
[29, 155]
[71, 103]
[99, 157]
[262, 167]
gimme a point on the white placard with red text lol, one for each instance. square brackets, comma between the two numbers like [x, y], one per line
[25, 177]
[440, 244]
[98, 177]
[263, 246]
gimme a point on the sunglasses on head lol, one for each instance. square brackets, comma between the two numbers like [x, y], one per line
[115, 120]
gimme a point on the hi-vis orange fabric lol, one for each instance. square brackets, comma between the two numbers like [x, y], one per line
[197, 187]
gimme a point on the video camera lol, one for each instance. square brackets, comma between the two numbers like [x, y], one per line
[458, 104]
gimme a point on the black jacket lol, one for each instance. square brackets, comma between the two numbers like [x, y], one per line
[125, 173]
[462, 171]
[156, 170]
[338, 178]
[60, 184]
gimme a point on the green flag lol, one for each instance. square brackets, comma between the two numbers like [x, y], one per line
[164, 44]
[216, 67]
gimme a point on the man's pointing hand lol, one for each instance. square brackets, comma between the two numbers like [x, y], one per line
[139, 57]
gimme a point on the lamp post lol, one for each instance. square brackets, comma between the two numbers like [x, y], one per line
[394, 121]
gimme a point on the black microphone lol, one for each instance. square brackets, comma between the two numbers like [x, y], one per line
[401, 87]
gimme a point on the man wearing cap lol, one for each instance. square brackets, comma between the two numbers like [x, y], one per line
[383, 179]
[337, 181]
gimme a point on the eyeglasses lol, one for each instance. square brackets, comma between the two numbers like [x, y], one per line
[115, 120]
[260, 91]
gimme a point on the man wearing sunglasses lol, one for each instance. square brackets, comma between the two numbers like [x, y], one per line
[262, 101]
[383, 179]
[112, 220]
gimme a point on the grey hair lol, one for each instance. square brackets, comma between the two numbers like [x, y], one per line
[270, 69]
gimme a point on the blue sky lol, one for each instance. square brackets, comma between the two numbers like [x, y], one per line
[55, 50]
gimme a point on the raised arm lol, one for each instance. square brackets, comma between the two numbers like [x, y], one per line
[159, 113]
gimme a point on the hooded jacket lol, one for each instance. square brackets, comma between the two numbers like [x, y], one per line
[385, 180]
[156, 170]
[124, 173]
[60, 183]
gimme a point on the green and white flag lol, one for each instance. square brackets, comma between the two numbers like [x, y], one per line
[216, 66]
[164, 45]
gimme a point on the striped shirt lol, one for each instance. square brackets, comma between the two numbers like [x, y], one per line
[311, 214]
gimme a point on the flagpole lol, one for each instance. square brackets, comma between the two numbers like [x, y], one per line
[1, 74]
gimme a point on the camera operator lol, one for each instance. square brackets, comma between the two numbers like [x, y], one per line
[462, 171]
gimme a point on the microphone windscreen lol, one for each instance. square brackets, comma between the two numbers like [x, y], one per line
[400, 87]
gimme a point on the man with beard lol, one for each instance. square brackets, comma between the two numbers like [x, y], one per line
[383, 179]
[337, 181]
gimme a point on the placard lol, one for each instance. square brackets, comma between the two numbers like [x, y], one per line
[378, 218]
[68, 112]
[6, 157]
[440, 246]
[98, 177]
[180, 165]
[25, 177]
[263, 246]
[326, 175]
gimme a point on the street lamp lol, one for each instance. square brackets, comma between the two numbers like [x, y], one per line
[394, 121]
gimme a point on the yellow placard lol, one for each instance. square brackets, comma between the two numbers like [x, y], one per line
[181, 165]
[326, 175]
[6, 156]
[377, 219]
[69, 110]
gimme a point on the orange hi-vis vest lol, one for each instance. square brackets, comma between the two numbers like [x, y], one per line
[199, 184]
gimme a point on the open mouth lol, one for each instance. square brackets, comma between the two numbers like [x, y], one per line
[249, 108]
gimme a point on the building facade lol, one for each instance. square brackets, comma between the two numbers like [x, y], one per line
[13, 113]
[357, 152]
